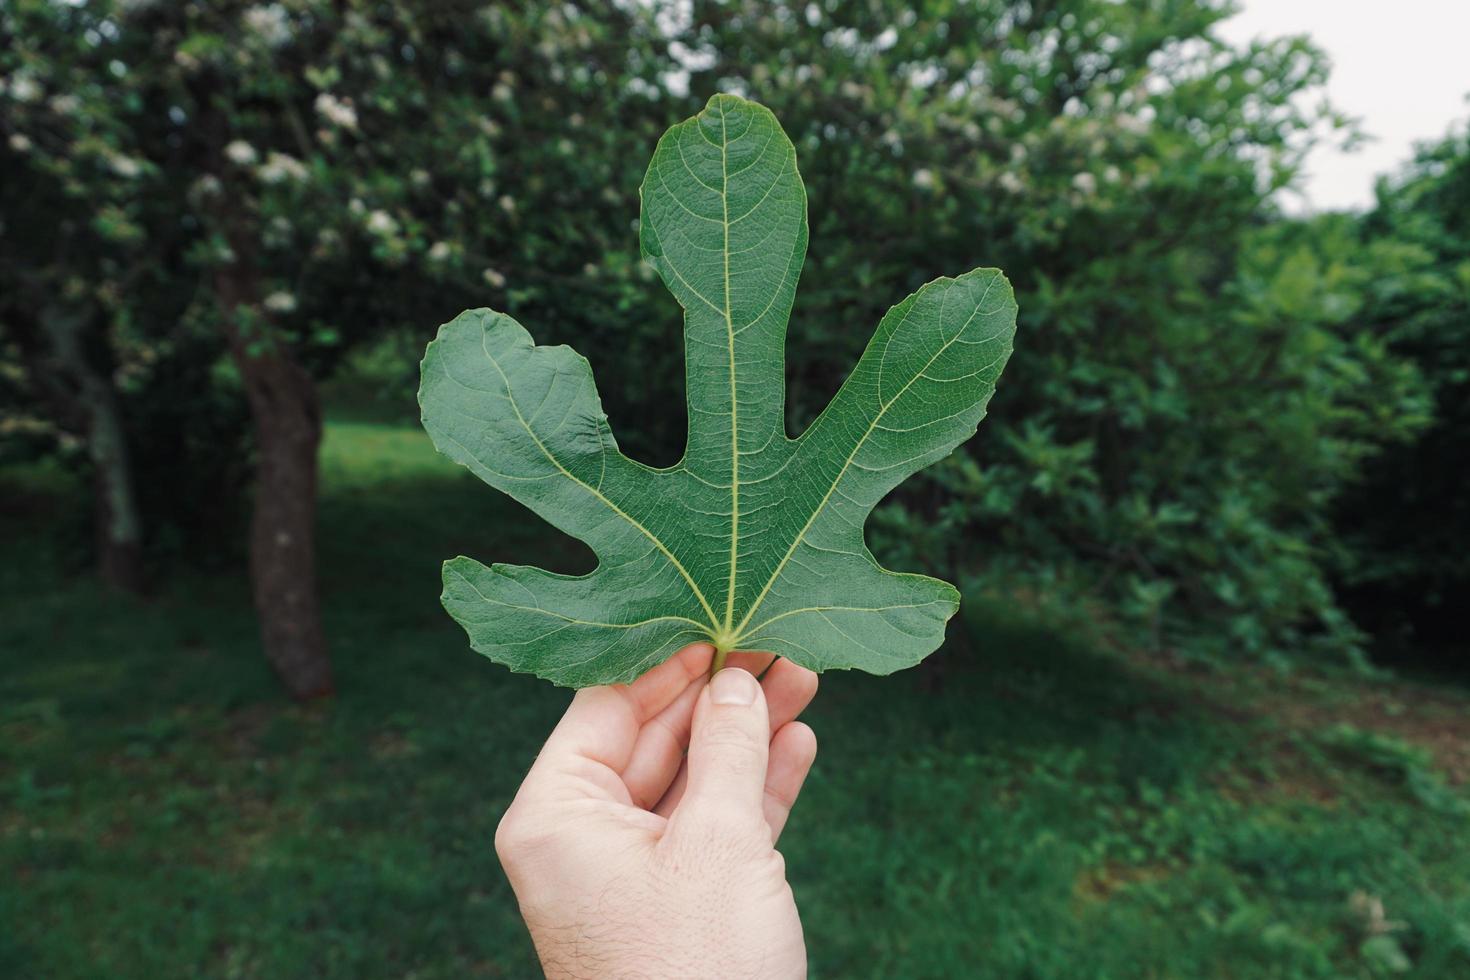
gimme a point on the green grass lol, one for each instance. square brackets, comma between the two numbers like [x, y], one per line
[1043, 807]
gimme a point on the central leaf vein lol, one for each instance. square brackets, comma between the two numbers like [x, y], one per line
[734, 411]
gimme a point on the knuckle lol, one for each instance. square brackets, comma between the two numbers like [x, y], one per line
[734, 746]
[716, 836]
[516, 836]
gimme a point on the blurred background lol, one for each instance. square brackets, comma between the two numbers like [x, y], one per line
[1206, 709]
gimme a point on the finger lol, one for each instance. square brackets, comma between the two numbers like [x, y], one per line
[793, 750]
[728, 749]
[789, 689]
[602, 723]
[658, 756]
[659, 751]
[755, 662]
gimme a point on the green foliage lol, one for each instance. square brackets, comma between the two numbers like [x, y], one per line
[1057, 811]
[95, 294]
[335, 162]
[1406, 524]
[1402, 764]
[1197, 391]
[307, 142]
[1172, 428]
[753, 540]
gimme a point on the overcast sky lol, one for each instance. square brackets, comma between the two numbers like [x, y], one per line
[1402, 68]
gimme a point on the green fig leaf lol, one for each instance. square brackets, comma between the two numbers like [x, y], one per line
[754, 540]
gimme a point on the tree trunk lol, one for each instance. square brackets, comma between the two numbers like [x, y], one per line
[288, 427]
[118, 527]
[82, 399]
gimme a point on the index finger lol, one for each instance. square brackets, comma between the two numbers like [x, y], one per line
[602, 723]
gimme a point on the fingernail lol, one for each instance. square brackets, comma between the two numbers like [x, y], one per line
[732, 686]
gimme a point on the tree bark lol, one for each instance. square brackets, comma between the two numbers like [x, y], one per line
[288, 427]
[82, 399]
[118, 526]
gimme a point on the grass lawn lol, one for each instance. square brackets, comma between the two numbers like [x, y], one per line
[1050, 808]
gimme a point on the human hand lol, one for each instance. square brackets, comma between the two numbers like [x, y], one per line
[630, 859]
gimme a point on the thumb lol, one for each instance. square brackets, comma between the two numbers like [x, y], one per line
[728, 749]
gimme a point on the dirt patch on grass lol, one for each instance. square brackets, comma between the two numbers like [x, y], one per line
[1309, 702]
[1099, 884]
[1426, 718]
[1418, 715]
[1278, 770]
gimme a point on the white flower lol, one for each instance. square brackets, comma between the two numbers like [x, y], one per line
[20, 142]
[1085, 184]
[1010, 183]
[1130, 123]
[501, 92]
[1112, 174]
[65, 105]
[419, 177]
[924, 179]
[281, 167]
[125, 167]
[338, 112]
[24, 88]
[269, 23]
[507, 204]
[439, 252]
[494, 278]
[280, 302]
[381, 223]
[590, 270]
[207, 186]
[240, 152]
[1018, 152]
[328, 241]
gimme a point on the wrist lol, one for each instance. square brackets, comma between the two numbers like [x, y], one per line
[610, 947]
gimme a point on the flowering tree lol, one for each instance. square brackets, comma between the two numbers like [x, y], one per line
[333, 170]
[276, 183]
[1113, 158]
[75, 243]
